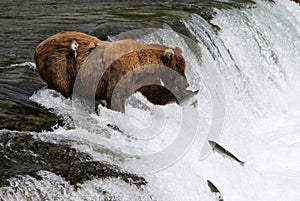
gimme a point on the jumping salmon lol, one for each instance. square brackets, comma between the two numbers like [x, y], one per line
[218, 148]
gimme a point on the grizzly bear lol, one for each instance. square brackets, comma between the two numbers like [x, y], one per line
[112, 71]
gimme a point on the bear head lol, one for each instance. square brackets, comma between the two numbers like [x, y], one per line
[140, 67]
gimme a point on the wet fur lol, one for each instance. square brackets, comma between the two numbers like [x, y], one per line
[58, 66]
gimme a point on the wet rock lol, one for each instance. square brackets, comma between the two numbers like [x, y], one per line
[17, 111]
[25, 154]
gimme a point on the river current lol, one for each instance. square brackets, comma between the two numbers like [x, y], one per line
[242, 56]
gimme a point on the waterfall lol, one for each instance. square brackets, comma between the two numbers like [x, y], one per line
[246, 65]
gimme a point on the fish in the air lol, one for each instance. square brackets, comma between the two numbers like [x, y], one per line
[215, 190]
[189, 100]
[218, 148]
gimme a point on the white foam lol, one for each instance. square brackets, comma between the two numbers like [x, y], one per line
[31, 65]
[256, 53]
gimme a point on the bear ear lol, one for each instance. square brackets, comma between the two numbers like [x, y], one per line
[179, 49]
[168, 54]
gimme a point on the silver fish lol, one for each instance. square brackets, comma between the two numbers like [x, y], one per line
[189, 100]
[218, 148]
[214, 189]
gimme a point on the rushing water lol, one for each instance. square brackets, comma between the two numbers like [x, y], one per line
[244, 58]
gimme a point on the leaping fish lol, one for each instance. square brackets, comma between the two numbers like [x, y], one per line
[214, 189]
[189, 99]
[218, 148]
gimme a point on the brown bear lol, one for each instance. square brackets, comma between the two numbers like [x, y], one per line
[111, 71]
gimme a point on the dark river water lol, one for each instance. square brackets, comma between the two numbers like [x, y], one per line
[23, 25]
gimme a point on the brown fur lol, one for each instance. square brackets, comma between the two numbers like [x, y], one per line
[110, 61]
[56, 64]
[297, 1]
